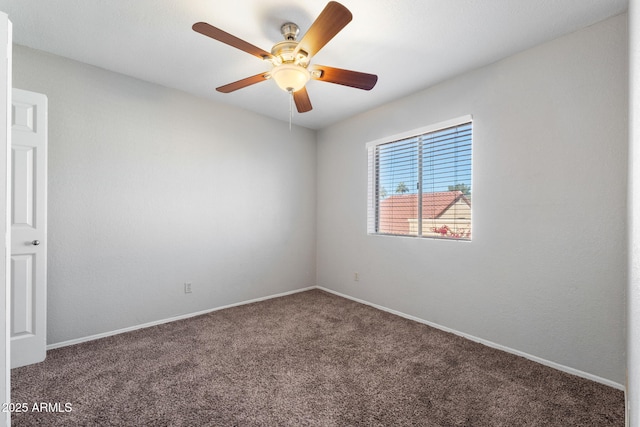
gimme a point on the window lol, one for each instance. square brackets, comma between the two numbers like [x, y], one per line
[420, 182]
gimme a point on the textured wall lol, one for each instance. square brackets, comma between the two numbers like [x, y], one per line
[633, 292]
[150, 188]
[545, 273]
[5, 84]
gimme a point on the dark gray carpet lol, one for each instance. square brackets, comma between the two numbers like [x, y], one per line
[308, 359]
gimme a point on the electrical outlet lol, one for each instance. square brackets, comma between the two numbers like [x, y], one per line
[187, 288]
[356, 277]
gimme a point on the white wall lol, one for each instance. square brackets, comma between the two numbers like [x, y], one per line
[150, 188]
[545, 273]
[5, 137]
[633, 293]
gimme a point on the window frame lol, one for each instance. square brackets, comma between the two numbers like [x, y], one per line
[372, 172]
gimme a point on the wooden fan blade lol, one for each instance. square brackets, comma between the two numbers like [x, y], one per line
[346, 77]
[331, 20]
[233, 41]
[243, 83]
[301, 98]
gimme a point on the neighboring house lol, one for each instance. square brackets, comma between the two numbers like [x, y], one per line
[399, 213]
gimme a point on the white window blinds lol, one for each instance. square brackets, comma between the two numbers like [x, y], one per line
[420, 184]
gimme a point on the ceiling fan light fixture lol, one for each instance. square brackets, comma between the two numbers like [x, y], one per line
[290, 77]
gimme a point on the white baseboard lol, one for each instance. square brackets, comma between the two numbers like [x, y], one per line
[170, 319]
[537, 359]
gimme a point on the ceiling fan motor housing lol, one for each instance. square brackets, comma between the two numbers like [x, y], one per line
[290, 31]
[284, 52]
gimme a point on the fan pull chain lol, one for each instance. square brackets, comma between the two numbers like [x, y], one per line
[290, 108]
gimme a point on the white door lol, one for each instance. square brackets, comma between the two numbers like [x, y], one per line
[28, 228]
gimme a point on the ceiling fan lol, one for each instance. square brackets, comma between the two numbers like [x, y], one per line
[291, 58]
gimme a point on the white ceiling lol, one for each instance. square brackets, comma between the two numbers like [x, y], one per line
[409, 44]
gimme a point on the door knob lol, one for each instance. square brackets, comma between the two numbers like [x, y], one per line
[35, 242]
